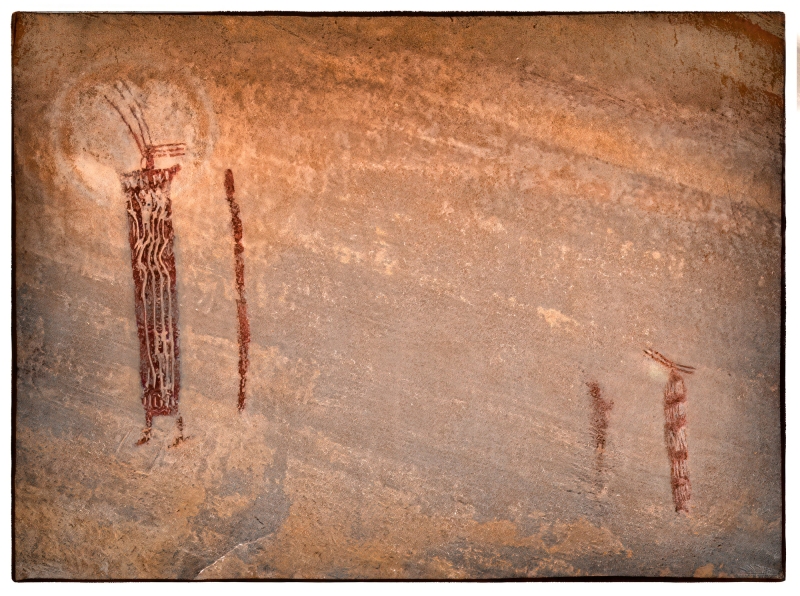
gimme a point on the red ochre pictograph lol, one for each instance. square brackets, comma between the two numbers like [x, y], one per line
[241, 302]
[599, 421]
[153, 263]
[675, 429]
[601, 411]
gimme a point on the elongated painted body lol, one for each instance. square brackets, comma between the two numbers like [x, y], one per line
[153, 265]
[675, 429]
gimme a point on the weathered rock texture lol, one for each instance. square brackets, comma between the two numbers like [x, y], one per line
[454, 230]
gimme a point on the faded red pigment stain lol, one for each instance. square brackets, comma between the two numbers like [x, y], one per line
[179, 427]
[151, 239]
[241, 302]
[675, 430]
[601, 409]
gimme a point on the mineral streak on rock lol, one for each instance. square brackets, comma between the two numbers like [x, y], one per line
[241, 303]
[153, 262]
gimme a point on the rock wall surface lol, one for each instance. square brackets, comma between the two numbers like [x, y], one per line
[459, 236]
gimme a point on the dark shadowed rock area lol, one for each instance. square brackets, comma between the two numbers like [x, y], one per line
[460, 235]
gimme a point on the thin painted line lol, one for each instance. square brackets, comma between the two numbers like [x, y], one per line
[241, 302]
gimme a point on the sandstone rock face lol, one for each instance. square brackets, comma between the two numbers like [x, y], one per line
[459, 236]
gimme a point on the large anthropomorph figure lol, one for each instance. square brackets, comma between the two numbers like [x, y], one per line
[147, 191]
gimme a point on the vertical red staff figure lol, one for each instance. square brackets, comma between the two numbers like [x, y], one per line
[241, 302]
[675, 429]
[153, 263]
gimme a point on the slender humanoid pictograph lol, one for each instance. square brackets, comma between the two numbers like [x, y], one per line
[675, 429]
[601, 412]
[153, 262]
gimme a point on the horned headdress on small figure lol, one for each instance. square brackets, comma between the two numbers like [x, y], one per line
[153, 262]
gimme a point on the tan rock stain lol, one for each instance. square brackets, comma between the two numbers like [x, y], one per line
[383, 533]
[706, 571]
[556, 318]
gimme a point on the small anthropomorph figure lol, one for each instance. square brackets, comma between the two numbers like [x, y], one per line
[675, 429]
